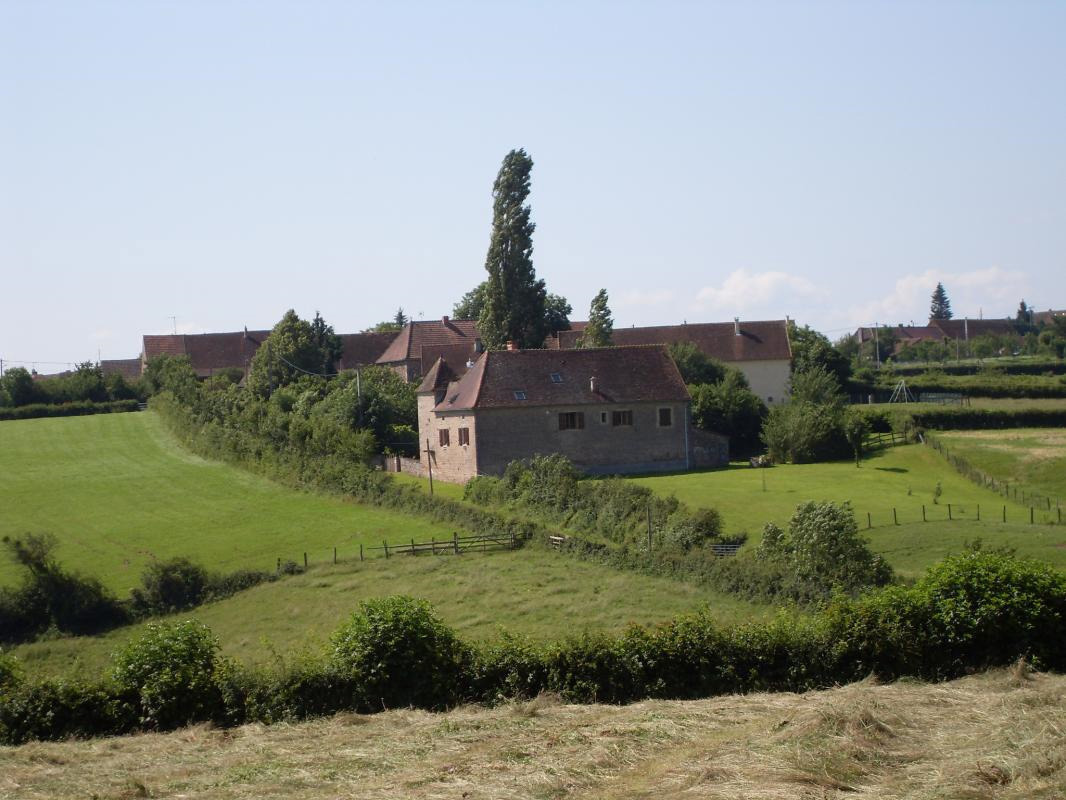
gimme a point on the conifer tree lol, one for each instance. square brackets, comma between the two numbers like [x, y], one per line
[941, 306]
[401, 319]
[600, 325]
[514, 299]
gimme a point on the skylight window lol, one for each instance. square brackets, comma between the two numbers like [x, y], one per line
[557, 377]
[519, 395]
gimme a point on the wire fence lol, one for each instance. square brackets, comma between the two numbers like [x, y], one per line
[1047, 505]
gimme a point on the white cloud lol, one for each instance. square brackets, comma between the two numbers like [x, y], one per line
[746, 294]
[990, 292]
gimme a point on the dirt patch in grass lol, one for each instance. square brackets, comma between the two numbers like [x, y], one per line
[997, 735]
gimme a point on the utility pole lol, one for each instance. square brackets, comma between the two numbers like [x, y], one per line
[877, 346]
[429, 463]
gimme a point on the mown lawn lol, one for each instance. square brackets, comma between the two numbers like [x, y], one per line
[117, 491]
[1033, 458]
[901, 478]
[534, 592]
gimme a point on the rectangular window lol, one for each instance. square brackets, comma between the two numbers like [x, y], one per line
[666, 417]
[519, 395]
[620, 418]
[571, 421]
[445, 438]
[557, 377]
[464, 436]
[603, 417]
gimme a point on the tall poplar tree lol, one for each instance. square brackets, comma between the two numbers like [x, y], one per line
[600, 326]
[940, 308]
[514, 299]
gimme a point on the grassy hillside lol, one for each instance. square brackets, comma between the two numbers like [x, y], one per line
[903, 477]
[1034, 458]
[996, 735]
[534, 592]
[116, 491]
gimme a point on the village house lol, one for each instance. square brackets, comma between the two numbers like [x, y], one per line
[760, 349]
[939, 330]
[609, 410]
[211, 353]
[421, 342]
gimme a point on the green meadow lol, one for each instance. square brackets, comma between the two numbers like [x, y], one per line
[1033, 458]
[117, 491]
[532, 592]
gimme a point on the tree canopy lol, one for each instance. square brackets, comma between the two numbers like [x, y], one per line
[295, 347]
[940, 307]
[600, 326]
[514, 299]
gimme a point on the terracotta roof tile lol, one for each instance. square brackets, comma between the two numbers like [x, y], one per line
[129, 368]
[421, 335]
[969, 328]
[500, 379]
[362, 349]
[758, 341]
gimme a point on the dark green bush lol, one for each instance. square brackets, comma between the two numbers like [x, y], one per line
[10, 672]
[63, 710]
[170, 669]
[73, 409]
[400, 654]
[169, 586]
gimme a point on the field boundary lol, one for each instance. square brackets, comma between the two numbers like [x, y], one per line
[1030, 499]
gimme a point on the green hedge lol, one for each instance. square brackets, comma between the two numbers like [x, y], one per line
[1044, 367]
[971, 611]
[980, 385]
[76, 409]
[903, 419]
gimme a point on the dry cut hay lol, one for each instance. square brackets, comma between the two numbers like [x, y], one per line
[998, 735]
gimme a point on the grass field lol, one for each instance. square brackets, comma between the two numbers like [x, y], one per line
[902, 477]
[1033, 458]
[996, 736]
[534, 592]
[116, 491]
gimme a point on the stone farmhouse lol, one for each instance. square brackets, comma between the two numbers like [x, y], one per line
[609, 410]
[760, 350]
[421, 342]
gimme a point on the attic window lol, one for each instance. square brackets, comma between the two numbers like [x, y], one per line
[519, 395]
[557, 377]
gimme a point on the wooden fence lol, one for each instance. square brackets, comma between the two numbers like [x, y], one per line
[454, 546]
[879, 439]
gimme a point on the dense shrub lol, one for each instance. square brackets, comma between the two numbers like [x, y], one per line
[612, 509]
[71, 409]
[10, 672]
[63, 710]
[400, 654]
[170, 586]
[51, 596]
[170, 669]
[823, 547]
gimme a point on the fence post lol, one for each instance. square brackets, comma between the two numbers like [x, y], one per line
[1004, 513]
[978, 512]
[279, 564]
[360, 551]
[869, 520]
[386, 548]
[334, 555]
[512, 540]
[305, 560]
[949, 511]
[923, 512]
[1030, 515]
[455, 541]
[895, 519]
[1060, 514]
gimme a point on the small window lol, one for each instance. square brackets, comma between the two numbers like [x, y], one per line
[603, 418]
[666, 417]
[445, 438]
[557, 377]
[464, 436]
[621, 418]
[769, 399]
[519, 395]
[571, 421]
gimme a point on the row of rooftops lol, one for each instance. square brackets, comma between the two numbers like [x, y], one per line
[422, 342]
[940, 329]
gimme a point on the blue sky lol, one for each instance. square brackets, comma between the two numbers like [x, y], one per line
[222, 162]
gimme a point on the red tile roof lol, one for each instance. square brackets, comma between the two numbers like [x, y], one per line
[418, 337]
[208, 352]
[129, 368]
[969, 328]
[621, 375]
[758, 341]
[363, 349]
[905, 333]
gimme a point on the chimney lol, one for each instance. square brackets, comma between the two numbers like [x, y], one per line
[444, 319]
[245, 331]
[511, 345]
[736, 326]
[592, 384]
